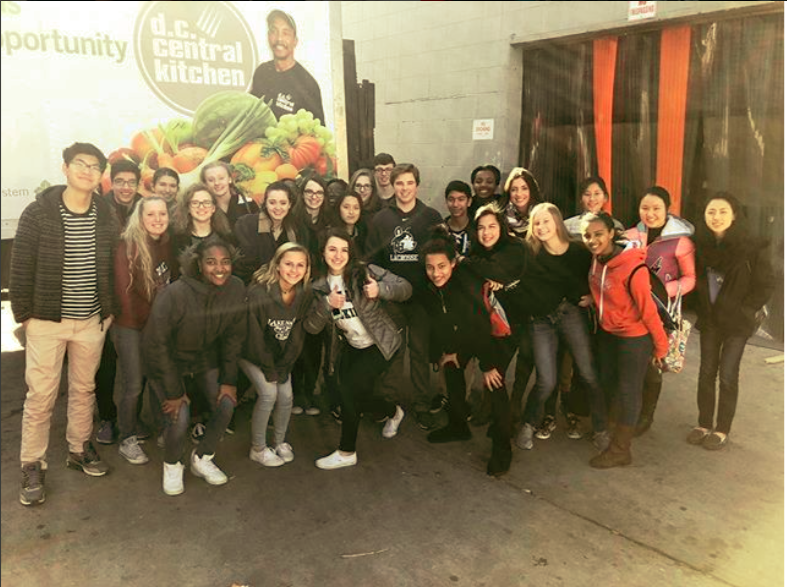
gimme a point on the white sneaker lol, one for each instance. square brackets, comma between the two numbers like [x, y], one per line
[392, 425]
[284, 450]
[266, 457]
[297, 410]
[312, 411]
[204, 467]
[524, 439]
[173, 478]
[336, 460]
[132, 452]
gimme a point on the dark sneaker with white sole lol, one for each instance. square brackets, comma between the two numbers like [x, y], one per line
[87, 461]
[32, 492]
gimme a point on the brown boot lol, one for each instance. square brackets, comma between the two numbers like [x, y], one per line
[618, 454]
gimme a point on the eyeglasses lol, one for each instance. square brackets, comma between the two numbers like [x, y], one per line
[362, 187]
[383, 169]
[82, 166]
[132, 183]
[312, 193]
[201, 204]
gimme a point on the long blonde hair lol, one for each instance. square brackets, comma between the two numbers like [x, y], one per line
[268, 274]
[562, 233]
[137, 249]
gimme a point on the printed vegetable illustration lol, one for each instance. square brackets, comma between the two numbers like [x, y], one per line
[231, 119]
[235, 127]
[255, 164]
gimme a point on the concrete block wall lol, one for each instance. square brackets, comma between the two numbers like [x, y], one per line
[438, 66]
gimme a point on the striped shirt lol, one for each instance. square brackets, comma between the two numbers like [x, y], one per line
[80, 274]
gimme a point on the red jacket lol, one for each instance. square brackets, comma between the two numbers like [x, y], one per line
[134, 303]
[626, 309]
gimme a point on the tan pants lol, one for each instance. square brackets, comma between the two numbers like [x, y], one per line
[47, 344]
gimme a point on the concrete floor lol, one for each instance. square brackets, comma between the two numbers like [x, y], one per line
[415, 514]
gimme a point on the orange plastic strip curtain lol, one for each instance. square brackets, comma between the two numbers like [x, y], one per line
[673, 93]
[605, 53]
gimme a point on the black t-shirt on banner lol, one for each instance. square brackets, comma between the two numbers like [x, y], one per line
[288, 91]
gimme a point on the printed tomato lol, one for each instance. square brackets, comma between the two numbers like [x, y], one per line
[305, 151]
[123, 154]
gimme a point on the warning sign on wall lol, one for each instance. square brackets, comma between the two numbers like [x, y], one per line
[642, 10]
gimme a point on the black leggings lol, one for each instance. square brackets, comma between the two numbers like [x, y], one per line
[356, 374]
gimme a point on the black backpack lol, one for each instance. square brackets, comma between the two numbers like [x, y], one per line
[660, 297]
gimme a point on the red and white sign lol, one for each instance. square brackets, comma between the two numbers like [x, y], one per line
[642, 10]
[484, 130]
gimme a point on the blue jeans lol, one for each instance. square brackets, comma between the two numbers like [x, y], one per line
[176, 429]
[269, 394]
[128, 345]
[622, 364]
[568, 323]
[719, 355]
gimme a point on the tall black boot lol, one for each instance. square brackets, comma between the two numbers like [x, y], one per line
[650, 399]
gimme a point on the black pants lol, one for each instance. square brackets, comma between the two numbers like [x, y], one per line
[356, 372]
[720, 355]
[105, 382]
[501, 428]
[307, 370]
[414, 317]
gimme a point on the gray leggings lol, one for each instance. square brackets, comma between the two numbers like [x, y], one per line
[269, 394]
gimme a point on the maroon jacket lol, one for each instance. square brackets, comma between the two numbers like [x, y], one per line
[129, 289]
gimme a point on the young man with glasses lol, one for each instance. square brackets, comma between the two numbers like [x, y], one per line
[125, 176]
[62, 293]
[383, 165]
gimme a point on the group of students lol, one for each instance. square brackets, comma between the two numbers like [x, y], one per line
[208, 285]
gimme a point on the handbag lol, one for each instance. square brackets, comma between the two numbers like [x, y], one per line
[677, 338]
[497, 314]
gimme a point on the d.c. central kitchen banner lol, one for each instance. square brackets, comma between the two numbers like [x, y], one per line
[175, 84]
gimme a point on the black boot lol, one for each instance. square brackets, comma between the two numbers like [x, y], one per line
[500, 461]
[650, 399]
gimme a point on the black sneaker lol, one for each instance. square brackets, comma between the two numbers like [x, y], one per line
[197, 432]
[438, 404]
[336, 412]
[449, 434]
[544, 432]
[87, 461]
[32, 492]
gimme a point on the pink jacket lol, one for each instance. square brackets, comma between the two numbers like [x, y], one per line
[671, 255]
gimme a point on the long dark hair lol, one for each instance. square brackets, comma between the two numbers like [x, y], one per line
[302, 211]
[355, 271]
[720, 253]
[490, 210]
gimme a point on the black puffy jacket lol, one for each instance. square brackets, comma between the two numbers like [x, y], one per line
[194, 327]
